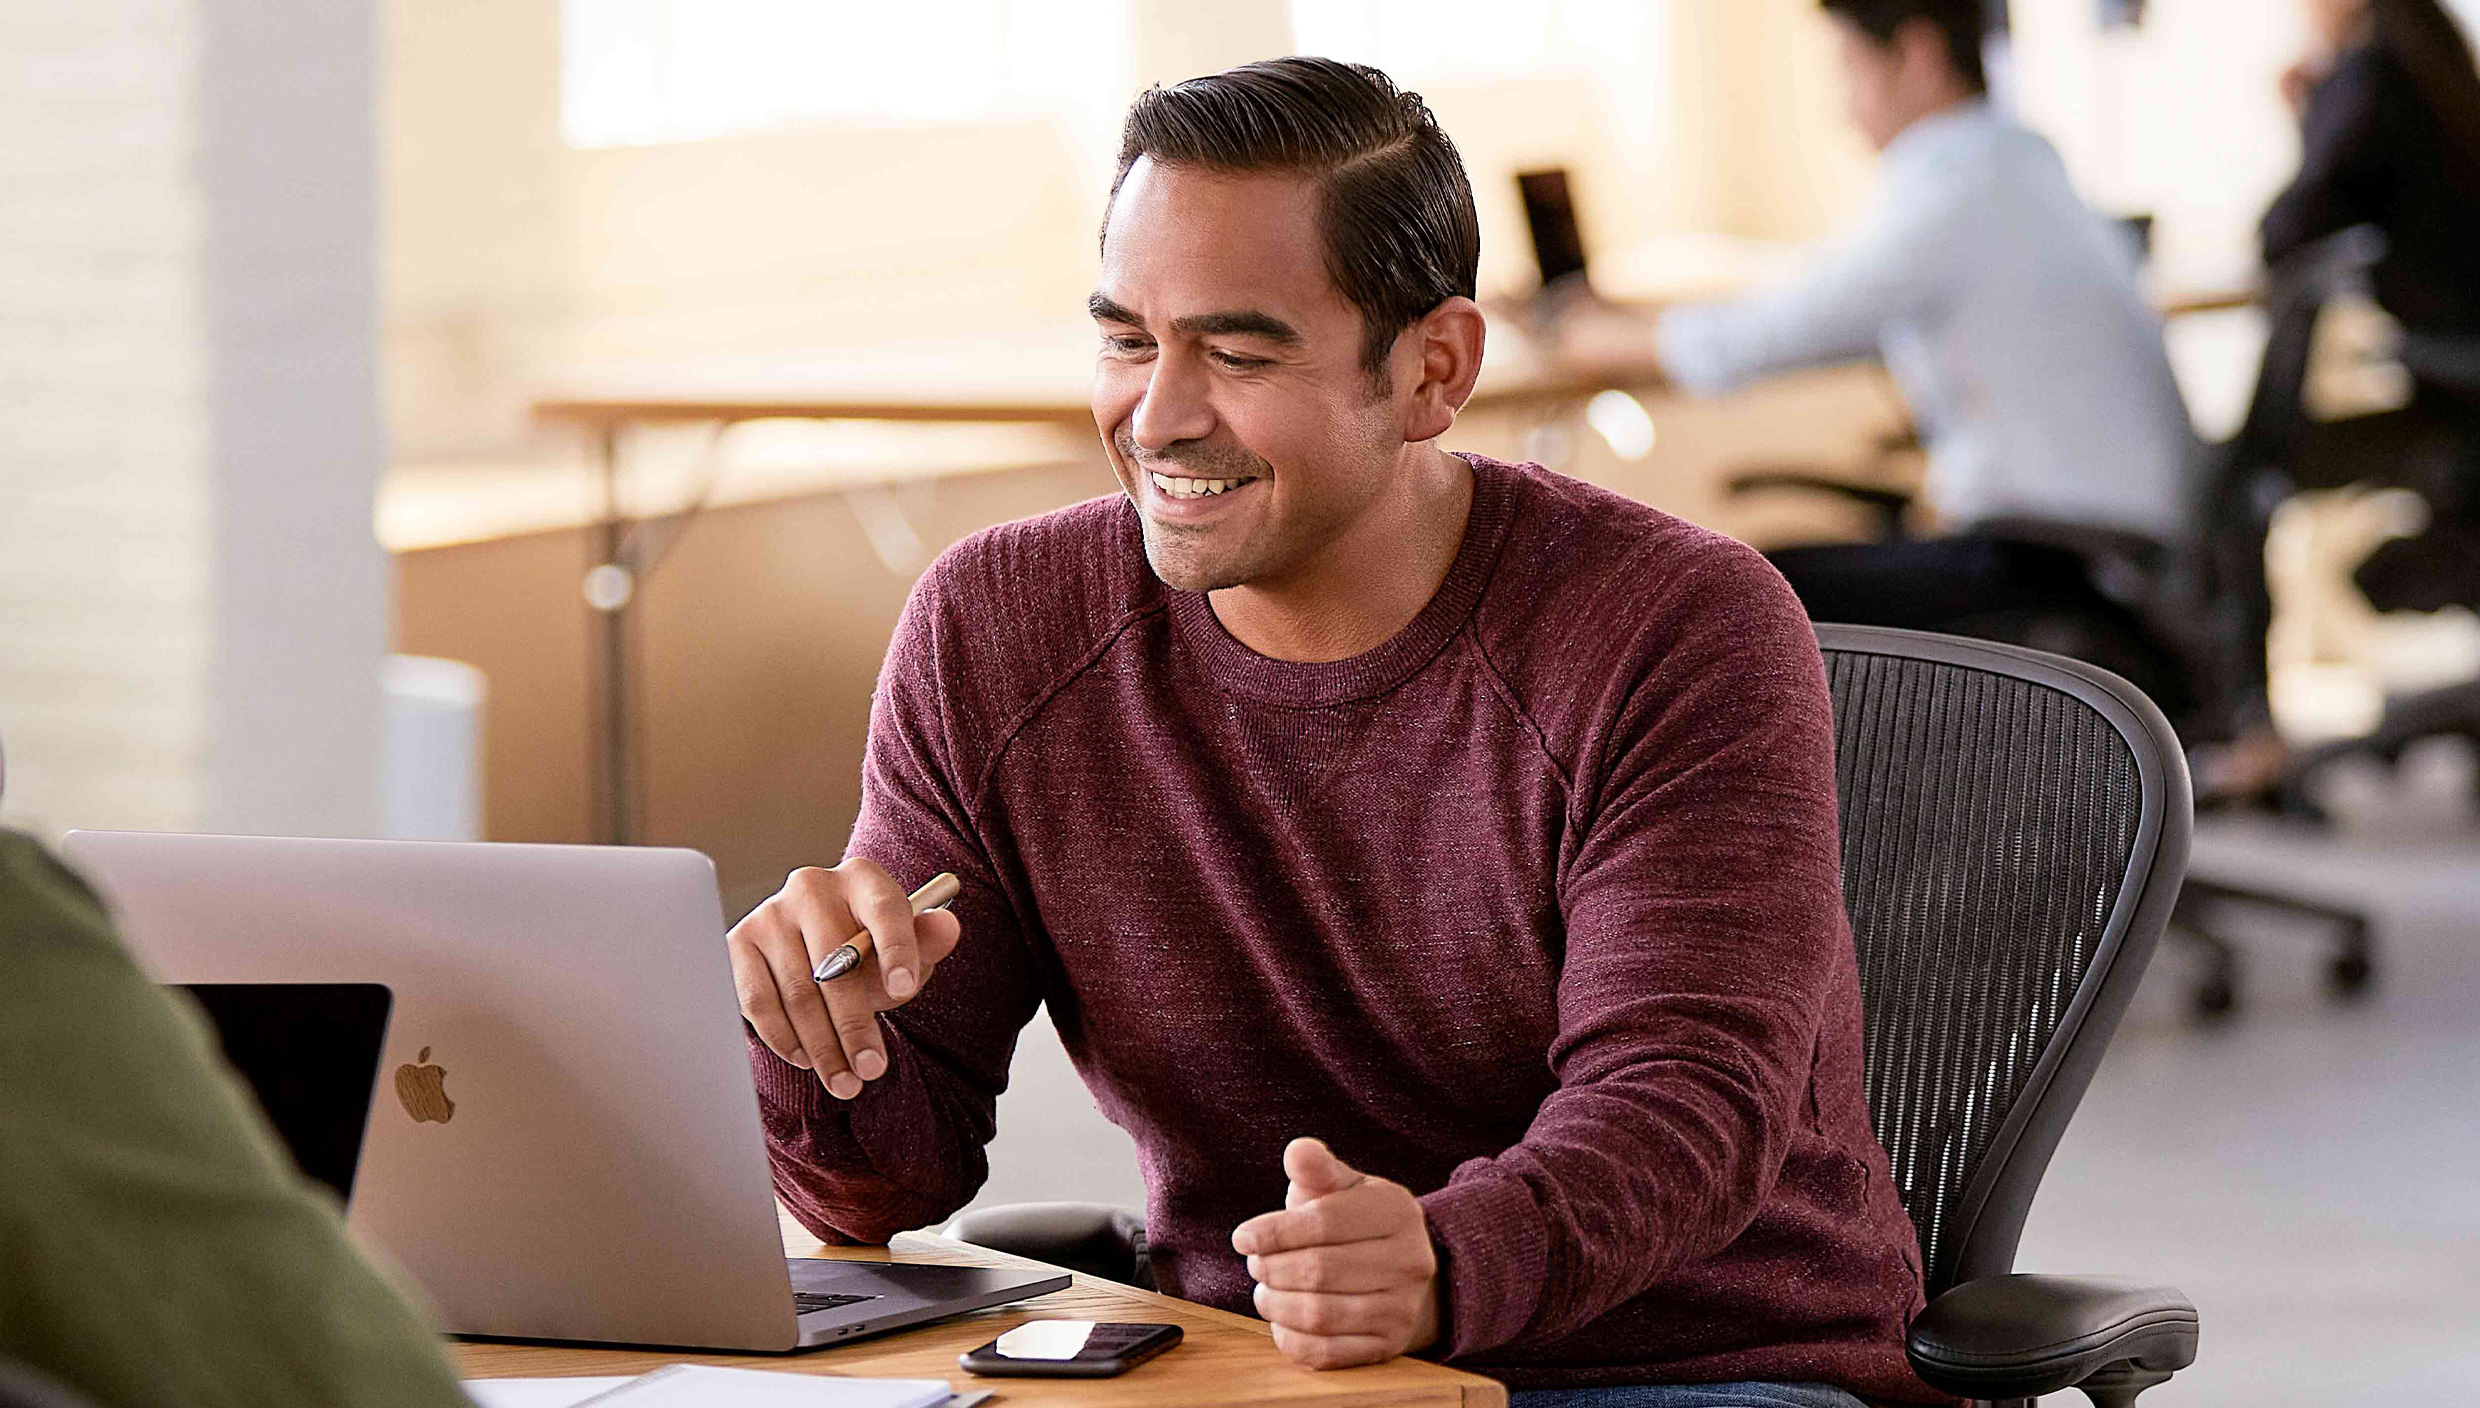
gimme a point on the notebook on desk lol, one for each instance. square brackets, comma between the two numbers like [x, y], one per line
[709, 1386]
[703, 1386]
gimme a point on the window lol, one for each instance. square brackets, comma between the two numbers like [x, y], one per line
[642, 71]
[1421, 39]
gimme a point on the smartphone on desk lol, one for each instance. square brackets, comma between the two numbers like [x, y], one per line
[1069, 1349]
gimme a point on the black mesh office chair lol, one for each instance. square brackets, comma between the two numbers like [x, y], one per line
[2015, 826]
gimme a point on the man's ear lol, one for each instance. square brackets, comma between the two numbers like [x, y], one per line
[1445, 355]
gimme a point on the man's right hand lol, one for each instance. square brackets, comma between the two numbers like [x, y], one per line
[832, 1028]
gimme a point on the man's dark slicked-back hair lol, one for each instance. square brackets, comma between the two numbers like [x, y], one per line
[1963, 23]
[1394, 207]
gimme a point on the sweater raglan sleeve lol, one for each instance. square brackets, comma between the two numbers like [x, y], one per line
[1701, 892]
[909, 1150]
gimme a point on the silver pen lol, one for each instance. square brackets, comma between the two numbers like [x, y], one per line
[935, 895]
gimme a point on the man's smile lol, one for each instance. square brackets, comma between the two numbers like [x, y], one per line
[1177, 487]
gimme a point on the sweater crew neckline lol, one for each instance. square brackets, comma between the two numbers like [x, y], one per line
[1305, 684]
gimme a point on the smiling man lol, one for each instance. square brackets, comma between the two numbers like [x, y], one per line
[1431, 862]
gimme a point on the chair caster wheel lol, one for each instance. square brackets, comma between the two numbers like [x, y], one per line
[2215, 998]
[2353, 971]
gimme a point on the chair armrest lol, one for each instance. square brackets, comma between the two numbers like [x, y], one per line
[2023, 1336]
[1093, 1238]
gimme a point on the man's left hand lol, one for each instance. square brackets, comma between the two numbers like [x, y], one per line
[1345, 1273]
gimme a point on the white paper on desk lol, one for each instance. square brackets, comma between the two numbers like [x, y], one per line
[710, 1386]
[538, 1393]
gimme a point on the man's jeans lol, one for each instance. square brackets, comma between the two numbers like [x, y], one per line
[1687, 1396]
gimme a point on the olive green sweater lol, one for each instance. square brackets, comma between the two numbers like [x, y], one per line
[157, 1246]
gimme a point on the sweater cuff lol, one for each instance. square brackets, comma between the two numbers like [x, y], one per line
[789, 1098]
[1492, 1258]
[842, 1165]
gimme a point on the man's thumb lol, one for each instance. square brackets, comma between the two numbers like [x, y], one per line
[1315, 1171]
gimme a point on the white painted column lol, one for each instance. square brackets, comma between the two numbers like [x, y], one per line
[287, 155]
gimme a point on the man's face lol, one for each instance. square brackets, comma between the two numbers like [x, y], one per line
[1875, 92]
[1229, 384]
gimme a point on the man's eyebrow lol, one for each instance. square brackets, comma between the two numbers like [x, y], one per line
[1248, 323]
[1237, 323]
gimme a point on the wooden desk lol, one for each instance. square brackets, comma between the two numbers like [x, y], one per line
[1225, 1359]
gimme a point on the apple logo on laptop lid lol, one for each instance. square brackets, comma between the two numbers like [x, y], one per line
[423, 1090]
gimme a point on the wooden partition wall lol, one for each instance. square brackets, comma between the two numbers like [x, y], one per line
[759, 636]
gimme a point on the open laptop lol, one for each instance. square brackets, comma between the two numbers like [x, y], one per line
[310, 1053]
[1550, 218]
[566, 1142]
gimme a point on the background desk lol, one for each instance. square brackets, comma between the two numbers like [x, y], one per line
[1224, 1359]
[1041, 379]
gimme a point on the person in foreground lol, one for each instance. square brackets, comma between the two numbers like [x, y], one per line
[1430, 861]
[2007, 312]
[157, 1248]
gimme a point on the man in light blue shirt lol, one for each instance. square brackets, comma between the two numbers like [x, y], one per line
[2007, 311]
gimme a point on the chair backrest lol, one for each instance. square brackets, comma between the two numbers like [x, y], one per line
[2015, 830]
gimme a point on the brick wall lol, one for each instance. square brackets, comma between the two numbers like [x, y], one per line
[104, 636]
[192, 606]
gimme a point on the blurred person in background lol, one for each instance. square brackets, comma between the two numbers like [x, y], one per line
[2008, 313]
[2389, 111]
[157, 1247]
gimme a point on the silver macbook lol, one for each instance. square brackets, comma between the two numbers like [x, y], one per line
[565, 1143]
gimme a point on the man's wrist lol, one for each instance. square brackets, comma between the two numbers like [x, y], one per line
[1429, 1325]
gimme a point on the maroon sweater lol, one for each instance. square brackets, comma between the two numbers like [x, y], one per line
[1533, 909]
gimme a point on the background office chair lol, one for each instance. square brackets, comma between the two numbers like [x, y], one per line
[2448, 368]
[2014, 828]
[2178, 619]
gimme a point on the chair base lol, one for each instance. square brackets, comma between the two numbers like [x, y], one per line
[2219, 994]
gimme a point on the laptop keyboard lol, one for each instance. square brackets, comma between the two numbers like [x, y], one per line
[803, 1302]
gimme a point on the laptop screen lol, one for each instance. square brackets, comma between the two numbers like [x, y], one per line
[310, 1052]
[1550, 214]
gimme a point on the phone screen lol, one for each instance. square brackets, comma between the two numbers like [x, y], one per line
[1072, 1339]
[1074, 1347]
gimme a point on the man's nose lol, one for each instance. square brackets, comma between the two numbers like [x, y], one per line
[1174, 407]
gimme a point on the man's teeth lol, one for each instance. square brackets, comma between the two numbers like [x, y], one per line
[1180, 488]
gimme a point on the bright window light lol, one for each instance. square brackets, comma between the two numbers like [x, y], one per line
[645, 71]
[1420, 39]
[1621, 421]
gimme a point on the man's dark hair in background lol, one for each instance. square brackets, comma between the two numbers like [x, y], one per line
[1394, 204]
[1964, 24]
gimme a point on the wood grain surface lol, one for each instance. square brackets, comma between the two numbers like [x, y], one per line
[1225, 1359]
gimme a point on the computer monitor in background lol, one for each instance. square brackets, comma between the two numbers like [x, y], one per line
[310, 1052]
[1550, 213]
